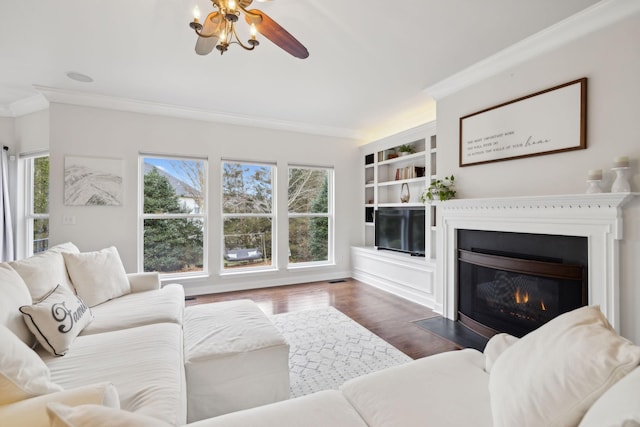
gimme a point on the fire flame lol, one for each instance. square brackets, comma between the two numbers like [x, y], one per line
[521, 298]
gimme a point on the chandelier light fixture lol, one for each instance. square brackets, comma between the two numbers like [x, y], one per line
[219, 29]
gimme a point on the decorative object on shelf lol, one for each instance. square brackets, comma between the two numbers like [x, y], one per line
[594, 180]
[527, 126]
[390, 154]
[440, 189]
[219, 29]
[405, 195]
[406, 149]
[621, 162]
[620, 167]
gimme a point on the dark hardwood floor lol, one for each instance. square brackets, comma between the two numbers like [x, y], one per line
[386, 315]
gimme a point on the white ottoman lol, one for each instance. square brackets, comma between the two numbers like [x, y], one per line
[235, 359]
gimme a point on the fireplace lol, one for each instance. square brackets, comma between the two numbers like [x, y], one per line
[594, 218]
[516, 282]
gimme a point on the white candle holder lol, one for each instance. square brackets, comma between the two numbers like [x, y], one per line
[621, 185]
[594, 186]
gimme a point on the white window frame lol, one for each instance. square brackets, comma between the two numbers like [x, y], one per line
[202, 215]
[330, 215]
[273, 215]
[27, 161]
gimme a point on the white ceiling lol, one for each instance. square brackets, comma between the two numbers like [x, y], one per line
[369, 65]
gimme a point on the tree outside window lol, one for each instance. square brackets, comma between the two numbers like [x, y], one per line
[173, 215]
[247, 214]
[37, 217]
[310, 217]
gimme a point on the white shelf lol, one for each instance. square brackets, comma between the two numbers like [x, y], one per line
[401, 181]
[395, 205]
[408, 157]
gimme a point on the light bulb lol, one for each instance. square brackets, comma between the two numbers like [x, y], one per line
[232, 4]
[223, 37]
[196, 14]
[254, 31]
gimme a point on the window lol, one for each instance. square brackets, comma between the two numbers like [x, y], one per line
[310, 198]
[247, 215]
[37, 204]
[173, 215]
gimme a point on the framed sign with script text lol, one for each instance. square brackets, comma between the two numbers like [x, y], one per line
[550, 121]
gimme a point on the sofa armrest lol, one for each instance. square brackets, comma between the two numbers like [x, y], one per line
[142, 282]
[33, 412]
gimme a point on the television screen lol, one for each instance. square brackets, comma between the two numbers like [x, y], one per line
[401, 229]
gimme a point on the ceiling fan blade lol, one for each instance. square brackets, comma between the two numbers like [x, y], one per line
[205, 45]
[274, 32]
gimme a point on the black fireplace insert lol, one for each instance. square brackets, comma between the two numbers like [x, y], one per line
[516, 282]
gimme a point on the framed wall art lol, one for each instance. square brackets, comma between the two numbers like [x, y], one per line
[550, 121]
[92, 181]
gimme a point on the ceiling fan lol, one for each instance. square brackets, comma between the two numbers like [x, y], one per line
[219, 29]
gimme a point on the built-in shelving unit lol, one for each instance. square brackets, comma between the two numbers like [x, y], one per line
[388, 174]
[387, 169]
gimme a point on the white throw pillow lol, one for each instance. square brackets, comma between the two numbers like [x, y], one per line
[22, 373]
[14, 294]
[495, 347]
[57, 320]
[97, 276]
[551, 376]
[98, 416]
[42, 272]
[618, 407]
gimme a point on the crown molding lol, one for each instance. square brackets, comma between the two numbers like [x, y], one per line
[24, 106]
[85, 99]
[600, 15]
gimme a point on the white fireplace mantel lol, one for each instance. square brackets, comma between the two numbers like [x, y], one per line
[595, 216]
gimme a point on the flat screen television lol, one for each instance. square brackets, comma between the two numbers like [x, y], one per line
[401, 229]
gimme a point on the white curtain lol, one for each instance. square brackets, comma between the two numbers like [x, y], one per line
[6, 226]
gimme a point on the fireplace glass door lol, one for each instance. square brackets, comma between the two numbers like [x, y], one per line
[499, 293]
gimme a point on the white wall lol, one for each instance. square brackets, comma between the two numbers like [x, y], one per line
[7, 136]
[610, 59]
[84, 131]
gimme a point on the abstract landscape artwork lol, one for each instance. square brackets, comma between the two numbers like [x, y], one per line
[92, 181]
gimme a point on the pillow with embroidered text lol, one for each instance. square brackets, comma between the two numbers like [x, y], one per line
[57, 319]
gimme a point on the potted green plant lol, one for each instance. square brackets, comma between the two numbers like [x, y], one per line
[406, 149]
[440, 189]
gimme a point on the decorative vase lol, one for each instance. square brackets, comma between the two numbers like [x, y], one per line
[594, 186]
[620, 185]
[405, 195]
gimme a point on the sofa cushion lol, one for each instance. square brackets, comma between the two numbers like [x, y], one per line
[138, 309]
[322, 409]
[495, 347]
[43, 272]
[57, 320]
[91, 415]
[13, 295]
[447, 389]
[618, 407]
[551, 376]
[97, 276]
[145, 364]
[22, 373]
[33, 412]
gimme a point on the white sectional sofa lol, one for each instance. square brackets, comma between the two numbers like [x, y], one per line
[129, 351]
[126, 368]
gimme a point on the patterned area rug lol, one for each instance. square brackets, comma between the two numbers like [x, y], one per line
[328, 348]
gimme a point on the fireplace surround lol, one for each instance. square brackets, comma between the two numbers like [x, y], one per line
[596, 217]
